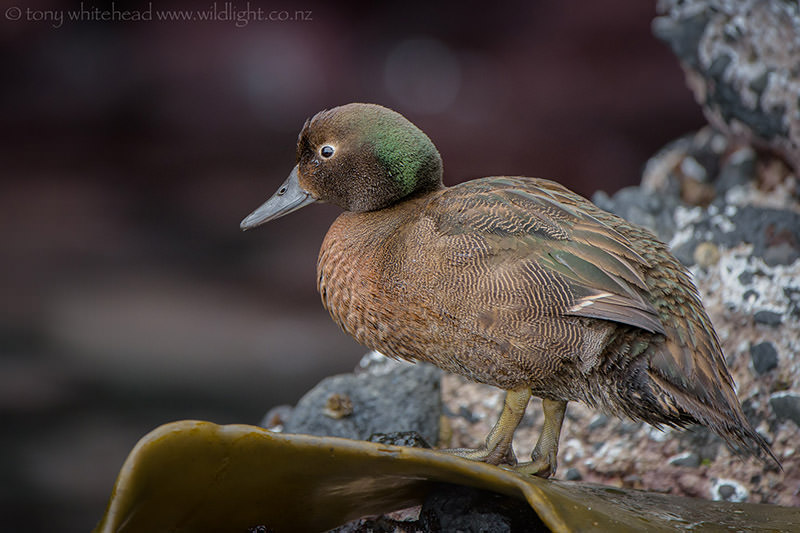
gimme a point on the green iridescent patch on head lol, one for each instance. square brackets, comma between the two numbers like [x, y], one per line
[404, 150]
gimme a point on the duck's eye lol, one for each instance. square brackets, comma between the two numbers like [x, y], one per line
[326, 151]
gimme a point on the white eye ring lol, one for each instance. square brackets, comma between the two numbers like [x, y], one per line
[327, 151]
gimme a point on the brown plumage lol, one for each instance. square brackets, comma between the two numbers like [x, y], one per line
[514, 282]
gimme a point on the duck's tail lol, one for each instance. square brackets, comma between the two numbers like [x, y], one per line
[707, 396]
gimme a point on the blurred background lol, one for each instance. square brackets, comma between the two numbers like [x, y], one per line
[130, 151]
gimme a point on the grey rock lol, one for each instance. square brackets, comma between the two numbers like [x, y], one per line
[685, 252]
[636, 205]
[738, 169]
[688, 459]
[598, 422]
[783, 253]
[786, 406]
[762, 226]
[769, 318]
[750, 293]
[702, 442]
[728, 490]
[683, 35]
[793, 296]
[386, 397]
[741, 59]
[746, 278]
[755, 225]
[764, 357]
[573, 474]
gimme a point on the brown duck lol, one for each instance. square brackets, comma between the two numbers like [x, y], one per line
[514, 282]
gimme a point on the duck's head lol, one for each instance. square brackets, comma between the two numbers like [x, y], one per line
[361, 157]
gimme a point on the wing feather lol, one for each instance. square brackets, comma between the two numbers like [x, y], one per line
[534, 221]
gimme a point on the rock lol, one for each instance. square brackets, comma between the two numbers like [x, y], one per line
[728, 490]
[762, 227]
[380, 524]
[764, 357]
[782, 253]
[706, 254]
[276, 417]
[635, 205]
[411, 439]
[385, 396]
[702, 442]
[688, 459]
[740, 58]
[746, 278]
[598, 422]
[736, 170]
[573, 474]
[786, 406]
[792, 294]
[770, 318]
[455, 508]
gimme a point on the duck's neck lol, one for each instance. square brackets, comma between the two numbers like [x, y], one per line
[358, 260]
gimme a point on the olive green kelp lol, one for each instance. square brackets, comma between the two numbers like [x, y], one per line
[202, 477]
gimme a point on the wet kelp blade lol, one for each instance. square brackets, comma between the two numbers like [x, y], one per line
[202, 477]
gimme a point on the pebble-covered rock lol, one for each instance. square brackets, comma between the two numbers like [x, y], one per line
[740, 58]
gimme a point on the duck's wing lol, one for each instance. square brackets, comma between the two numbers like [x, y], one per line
[596, 265]
[539, 223]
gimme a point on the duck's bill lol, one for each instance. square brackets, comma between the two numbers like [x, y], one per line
[289, 197]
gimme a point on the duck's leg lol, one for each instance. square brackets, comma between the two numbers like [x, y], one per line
[545, 454]
[497, 448]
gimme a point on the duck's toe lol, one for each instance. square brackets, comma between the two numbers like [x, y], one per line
[494, 456]
[545, 453]
[497, 448]
[544, 465]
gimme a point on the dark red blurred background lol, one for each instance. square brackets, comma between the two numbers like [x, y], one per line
[131, 150]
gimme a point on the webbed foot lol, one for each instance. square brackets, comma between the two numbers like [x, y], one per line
[497, 448]
[545, 455]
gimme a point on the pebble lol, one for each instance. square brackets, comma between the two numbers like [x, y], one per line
[786, 406]
[688, 459]
[769, 318]
[764, 357]
[728, 490]
[706, 254]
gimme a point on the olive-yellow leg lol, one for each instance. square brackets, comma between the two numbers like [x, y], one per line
[498, 448]
[545, 454]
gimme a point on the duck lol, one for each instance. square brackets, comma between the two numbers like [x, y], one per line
[510, 281]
